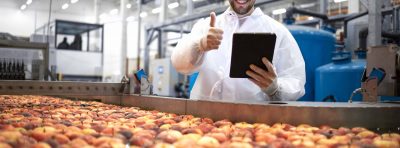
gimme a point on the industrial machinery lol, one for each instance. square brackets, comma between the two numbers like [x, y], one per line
[369, 115]
[316, 46]
[343, 72]
[164, 77]
[72, 44]
[22, 60]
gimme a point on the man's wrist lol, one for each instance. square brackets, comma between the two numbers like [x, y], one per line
[272, 89]
[201, 45]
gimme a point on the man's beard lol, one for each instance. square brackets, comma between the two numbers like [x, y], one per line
[241, 11]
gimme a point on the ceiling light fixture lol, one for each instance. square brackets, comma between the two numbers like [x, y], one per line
[173, 5]
[28, 2]
[339, 1]
[65, 6]
[156, 10]
[128, 6]
[143, 14]
[103, 15]
[23, 7]
[279, 11]
[74, 1]
[130, 18]
[114, 12]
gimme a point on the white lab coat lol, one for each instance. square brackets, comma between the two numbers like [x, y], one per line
[213, 81]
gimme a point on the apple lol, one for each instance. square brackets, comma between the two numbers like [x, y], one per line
[89, 131]
[53, 143]
[207, 120]
[10, 136]
[241, 139]
[61, 139]
[191, 136]
[192, 130]
[141, 141]
[221, 137]
[328, 142]
[208, 142]
[383, 143]
[186, 142]
[205, 127]
[357, 130]
[165, 127]
[5, 145]
[280, 143]
[303, 143]
[77, 143]
[169, 136]
[237, 145]
[41, 145]
[222, 123]
[163, 145]
[366, 134]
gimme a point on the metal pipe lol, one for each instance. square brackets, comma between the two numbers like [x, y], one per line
[352, 17]
[397, 19]
[292, 10]
[391, 35]
[362, 35]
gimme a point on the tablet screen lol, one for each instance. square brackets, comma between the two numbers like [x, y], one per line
[250, 48]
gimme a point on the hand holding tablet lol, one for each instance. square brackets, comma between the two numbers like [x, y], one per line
[249, 49]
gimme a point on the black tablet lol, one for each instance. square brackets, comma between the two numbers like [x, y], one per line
[250, 48]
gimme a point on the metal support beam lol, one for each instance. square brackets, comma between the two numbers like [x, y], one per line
[189, 7]
[323, 9]
[147, 51]
[123, 14]
[160, 48]
[375, 23]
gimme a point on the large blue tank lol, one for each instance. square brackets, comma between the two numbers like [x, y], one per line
[316, 47]
[339, 78]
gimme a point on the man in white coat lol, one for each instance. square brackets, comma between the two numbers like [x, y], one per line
[207, 50]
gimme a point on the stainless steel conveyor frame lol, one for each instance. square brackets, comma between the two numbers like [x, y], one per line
[375, 116]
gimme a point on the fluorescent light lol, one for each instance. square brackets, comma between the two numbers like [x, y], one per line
[103, 15]
[143, 14]
[128, 6]
[28, 2]
[156, 10]
[23, 7]
[309, 5]
[279, 11]
[74, 1]
[130, 18]
[65, 6]
[114, 12]
[173, 5]
[339, 1]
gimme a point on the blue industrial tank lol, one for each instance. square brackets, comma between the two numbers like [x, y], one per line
[339, 78]
[316, 47]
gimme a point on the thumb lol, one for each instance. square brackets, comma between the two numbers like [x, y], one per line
[212, 19]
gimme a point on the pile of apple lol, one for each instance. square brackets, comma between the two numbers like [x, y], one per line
[48, 122]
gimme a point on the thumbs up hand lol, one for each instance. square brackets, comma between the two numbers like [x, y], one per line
[214, 36]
